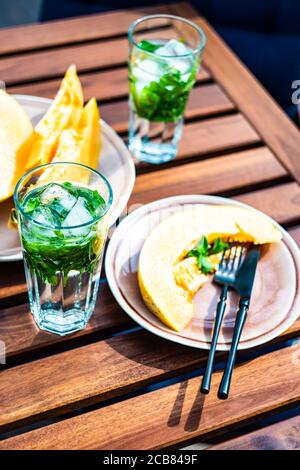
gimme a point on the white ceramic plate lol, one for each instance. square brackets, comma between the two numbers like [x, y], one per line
[115, 163]
[275, 302]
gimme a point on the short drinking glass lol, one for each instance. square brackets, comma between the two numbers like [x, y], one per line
[164, 58]
[62, 218]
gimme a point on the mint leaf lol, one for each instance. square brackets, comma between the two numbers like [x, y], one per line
[203, 250]
[204, 264]
[218, 246]
[149, 46]
[163, 99]
[202, 247]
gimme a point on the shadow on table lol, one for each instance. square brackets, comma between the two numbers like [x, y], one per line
[194, 417]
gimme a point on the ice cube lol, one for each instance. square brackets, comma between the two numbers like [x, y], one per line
[78, 215]
[58, 198]
[43, 215]
[56, 191]
[174, 48]
[146, 71]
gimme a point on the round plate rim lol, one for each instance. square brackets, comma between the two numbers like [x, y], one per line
[119, 144]
[109, 269]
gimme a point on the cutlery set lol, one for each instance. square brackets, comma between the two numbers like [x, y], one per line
[236, 271]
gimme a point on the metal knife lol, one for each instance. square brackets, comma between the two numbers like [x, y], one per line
[243, 285]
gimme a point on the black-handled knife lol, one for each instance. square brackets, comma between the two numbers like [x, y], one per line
[243, 284]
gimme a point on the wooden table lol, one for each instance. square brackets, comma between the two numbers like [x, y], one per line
[102, 390]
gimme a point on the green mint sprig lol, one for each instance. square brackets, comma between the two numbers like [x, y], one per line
[203, 250]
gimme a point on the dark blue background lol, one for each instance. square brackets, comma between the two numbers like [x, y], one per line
[264, 33]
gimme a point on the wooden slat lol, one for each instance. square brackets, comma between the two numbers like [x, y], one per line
[280, 202]
[66, 31]
[204, 100]
[89, 374]
[20, 333]
[53, 63]
[212, 176]
[102, 85]
[177, 413]
[218, 134]
[277, 130]
[284, 435]
[12, 280]
[93, 373]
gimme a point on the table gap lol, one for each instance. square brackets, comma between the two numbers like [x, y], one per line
[255, 187]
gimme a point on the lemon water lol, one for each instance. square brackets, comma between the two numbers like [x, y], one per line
[62, 234]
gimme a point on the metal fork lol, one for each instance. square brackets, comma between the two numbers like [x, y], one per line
[225, 275]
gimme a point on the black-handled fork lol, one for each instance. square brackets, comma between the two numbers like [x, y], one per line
[243, 285]
[225, 275]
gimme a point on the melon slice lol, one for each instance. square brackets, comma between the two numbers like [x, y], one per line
[64, 112]
[93, 132]
[80, 144]
[170, 241]
[16, 138]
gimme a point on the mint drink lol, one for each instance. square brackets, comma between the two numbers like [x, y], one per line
[161, 75]
[53, 250]
[63, 229]
[160, 89]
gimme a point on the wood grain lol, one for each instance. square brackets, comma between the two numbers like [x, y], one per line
[280, 202]
[89, 374]
[272, 124]
[284, 435]
[96, 372]
[216, 135]
[70, 31]
[103, 85]
[177, 413]
[211, 176]
[12, 279]
[20, 333]
[53, 63]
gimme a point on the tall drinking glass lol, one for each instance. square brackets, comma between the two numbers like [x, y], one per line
[164, 58]
[62, 218]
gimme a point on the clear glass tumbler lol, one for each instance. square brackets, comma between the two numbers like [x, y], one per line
[62, 219]
[164, 58]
